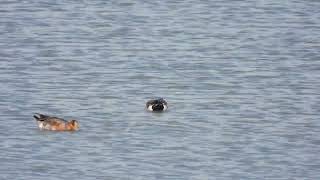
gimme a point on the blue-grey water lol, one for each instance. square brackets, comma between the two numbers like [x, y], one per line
[241, 79]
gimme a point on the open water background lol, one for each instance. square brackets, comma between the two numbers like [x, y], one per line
[241, 79]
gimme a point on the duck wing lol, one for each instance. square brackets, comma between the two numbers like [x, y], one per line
[40, 117]
[55, 120]
[150, 102]
[48, 119]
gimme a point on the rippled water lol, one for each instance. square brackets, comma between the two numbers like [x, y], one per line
[241, 79]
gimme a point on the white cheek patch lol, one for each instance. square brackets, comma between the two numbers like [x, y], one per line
[165, 107]
[150, 108]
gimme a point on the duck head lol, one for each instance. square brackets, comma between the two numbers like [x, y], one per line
[73, 125]
[157, 105]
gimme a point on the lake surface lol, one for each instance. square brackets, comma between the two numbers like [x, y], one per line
[242, 81]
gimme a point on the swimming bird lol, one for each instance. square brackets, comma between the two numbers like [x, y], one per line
[157, 105]
[46, 122]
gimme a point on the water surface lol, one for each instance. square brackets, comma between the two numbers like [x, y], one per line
[241, 79]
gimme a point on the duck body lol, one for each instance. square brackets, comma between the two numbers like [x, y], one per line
[157, 105]
[51, 123]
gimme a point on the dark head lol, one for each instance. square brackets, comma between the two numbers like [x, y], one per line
[157, 105]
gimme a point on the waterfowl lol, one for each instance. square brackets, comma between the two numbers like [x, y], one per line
[46, 122]
[157, 105]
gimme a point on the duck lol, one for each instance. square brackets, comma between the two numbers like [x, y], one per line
[157, 105]
[51, 123]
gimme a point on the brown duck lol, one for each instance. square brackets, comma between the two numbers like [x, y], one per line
[51, 123]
